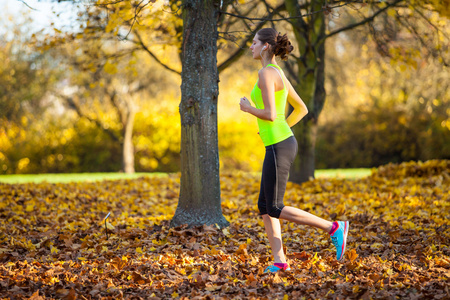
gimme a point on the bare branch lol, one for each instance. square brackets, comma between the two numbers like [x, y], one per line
[324, 9]
[27, 5]
[418, 36]
[278, 12]
[109, 3]
[134, 19]
[74, 105]
[248, 10]
[431, 23]
[365, 21]
[240, 51]
[413, 31]
[153, 55]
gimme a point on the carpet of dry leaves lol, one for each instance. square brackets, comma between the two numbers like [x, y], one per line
[53, 243]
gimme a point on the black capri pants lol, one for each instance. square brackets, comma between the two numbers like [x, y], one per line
[275, 173]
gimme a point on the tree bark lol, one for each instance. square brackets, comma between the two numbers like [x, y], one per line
[128, 147]
[310, 78]
[199, 201]
[126, 111]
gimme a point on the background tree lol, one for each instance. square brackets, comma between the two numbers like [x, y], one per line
[25, 78]
[109, 75]
[383, 21]
[98, 92]
[381, 109]
[25, 74]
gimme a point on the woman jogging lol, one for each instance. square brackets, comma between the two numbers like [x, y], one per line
[269, 96]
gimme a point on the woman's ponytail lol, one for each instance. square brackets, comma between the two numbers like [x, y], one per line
[282, 46]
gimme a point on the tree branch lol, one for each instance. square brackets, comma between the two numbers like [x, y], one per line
[324, 9]
[417, 35]
[72, 104]
[153, 55]
[240, 51]
[367, 20]
[27, 5]
[431, 23]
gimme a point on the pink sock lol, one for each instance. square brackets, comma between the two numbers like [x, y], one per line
[281, 265]
[334, 227]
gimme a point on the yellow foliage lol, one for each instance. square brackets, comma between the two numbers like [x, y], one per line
[54, 250]
[391, 12]
[23, 163]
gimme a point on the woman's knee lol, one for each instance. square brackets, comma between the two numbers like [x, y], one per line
[274, 212]
[262, 209]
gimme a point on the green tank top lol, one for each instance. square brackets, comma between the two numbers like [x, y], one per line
[278, 130]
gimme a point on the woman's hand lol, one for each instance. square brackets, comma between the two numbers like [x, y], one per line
[245, 104]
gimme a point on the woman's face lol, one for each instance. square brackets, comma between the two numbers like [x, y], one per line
[256, 47]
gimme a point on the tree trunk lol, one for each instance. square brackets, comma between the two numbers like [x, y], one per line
[310, 34]
[304, 164]
[128, 147]
[199, 201]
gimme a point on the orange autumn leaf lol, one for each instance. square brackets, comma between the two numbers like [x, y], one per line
[351, 255]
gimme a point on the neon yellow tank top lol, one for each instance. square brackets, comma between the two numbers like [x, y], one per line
[278, 130]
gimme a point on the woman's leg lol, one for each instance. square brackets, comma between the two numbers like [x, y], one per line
[273, 231]
[276, 166]
[273, 185]
[277, 162]
[299, 216]
[273, 228]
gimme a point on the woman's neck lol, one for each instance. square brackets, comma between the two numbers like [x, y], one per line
[266, 62]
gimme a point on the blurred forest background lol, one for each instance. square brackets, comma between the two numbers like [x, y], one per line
[70, 101]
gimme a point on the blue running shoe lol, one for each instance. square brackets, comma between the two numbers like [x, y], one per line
[273, 269]
[339, 238]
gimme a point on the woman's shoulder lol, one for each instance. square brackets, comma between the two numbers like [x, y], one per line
[268, 71]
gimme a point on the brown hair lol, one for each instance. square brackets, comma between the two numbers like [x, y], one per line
[279, 44]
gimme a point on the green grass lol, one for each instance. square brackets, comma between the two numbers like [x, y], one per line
[71, 177]
[77, 177]
[343, 173]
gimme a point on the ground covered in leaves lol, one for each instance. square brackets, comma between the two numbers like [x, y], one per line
[53, 243]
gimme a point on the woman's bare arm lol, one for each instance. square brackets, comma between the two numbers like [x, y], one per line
[300, 109]
[267, 86]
